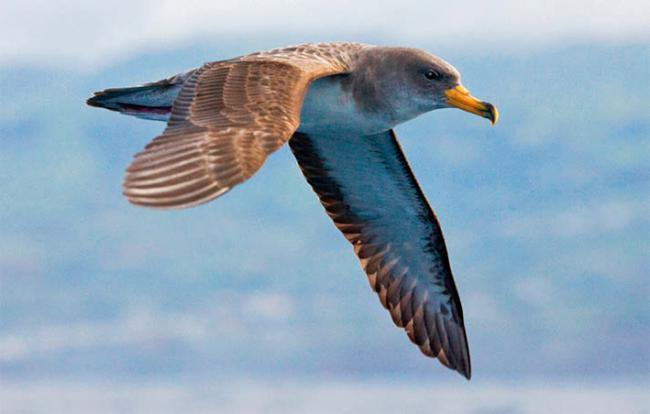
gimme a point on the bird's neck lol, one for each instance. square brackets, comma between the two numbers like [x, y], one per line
[335, 104]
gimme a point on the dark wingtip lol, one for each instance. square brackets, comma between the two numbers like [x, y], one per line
[465, 363]
[465, 372]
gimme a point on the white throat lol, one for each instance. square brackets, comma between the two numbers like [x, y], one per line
[329, 108]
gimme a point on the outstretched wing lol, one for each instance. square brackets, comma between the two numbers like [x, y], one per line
[369, 191]
[228, 117]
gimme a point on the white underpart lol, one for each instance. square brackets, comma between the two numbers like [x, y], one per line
[327, 108]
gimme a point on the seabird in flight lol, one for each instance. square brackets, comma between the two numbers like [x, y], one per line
[336, 104]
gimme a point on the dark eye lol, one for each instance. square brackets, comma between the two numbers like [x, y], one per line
[432, 75]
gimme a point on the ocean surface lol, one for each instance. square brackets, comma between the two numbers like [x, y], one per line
[105, 307]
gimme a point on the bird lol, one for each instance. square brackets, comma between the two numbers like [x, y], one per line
[336, 105]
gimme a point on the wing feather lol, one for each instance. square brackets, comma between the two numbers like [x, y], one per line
[369, 191]
[227, 118]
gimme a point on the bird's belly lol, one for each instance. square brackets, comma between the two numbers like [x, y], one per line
[328, 108]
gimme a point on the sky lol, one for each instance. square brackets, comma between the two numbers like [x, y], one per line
[79, 33]
[255, 300]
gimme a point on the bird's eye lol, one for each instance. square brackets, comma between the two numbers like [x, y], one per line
[432, 75]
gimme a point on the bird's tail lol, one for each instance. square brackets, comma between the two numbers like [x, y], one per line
[150, 101]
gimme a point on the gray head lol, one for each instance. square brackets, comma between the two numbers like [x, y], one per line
[408, 82]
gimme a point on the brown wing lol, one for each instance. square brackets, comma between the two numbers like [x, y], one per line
[228, 117]
[369, 191]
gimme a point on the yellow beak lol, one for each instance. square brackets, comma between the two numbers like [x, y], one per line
[460, 98]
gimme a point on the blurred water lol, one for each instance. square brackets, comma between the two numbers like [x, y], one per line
[107, 306]
[318, 396]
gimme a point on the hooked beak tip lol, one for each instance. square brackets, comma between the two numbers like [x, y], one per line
[460, 98]
[491, 113]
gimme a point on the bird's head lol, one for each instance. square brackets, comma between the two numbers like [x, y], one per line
[415, 82]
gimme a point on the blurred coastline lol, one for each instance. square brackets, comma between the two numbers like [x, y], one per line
[129, 310]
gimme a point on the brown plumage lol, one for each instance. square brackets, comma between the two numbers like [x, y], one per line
[228, 117]
[336, 104]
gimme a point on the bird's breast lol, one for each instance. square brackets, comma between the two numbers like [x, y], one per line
[329, 107]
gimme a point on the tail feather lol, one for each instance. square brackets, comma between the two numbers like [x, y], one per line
[150, 101]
